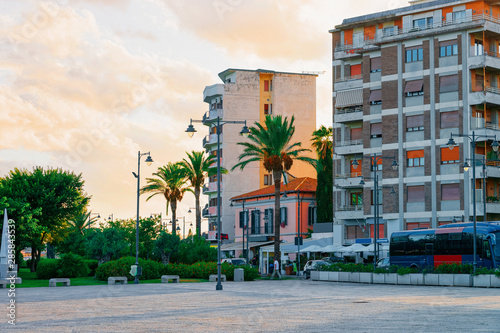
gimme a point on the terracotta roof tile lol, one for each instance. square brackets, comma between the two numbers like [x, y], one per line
[304, 184]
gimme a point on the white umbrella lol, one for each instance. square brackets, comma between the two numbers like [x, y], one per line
[331, 248]
[312, 248]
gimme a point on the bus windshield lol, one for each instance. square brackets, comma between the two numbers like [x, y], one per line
[496, 247]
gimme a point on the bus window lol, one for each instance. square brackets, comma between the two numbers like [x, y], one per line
[486, 250]
[429, 249]
[416, 245]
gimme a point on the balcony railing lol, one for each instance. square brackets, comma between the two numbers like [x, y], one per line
[347, 111]
[349, 78]
[350, 208]
[346, 143]
[381, 35]
[492, 90]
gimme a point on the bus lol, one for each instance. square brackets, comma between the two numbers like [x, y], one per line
[451, 243]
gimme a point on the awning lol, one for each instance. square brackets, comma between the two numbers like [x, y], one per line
[239, 245]
[414, 86]
[349, 98]
[321, 243]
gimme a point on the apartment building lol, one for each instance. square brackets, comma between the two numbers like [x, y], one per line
[251, 95]
[404, 80]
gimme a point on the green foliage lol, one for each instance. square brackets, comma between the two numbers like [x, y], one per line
[454, 269]
[194, 249]
[91, 265]
[347, 267]
[407, 270]
[107, 244]
[121, 267]
[47, 268]
[322, 142]
[74, 243]
[72, 265]
[203, 270]
[165, 245]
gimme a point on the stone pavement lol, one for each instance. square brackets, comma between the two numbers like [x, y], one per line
[259, 306]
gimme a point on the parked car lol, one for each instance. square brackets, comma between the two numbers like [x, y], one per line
[235, 261]
[313, 265]
[334, 259]
[383, 263]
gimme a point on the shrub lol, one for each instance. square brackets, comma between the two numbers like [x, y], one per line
[22, 263]
[407, 270]
[121, 267]
[203, 270]
[72, 265]
[47, 268]
[454, 269]
[91, 265]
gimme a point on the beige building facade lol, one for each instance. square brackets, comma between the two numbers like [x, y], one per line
[251, 95]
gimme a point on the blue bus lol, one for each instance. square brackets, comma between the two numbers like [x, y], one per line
[451, 243]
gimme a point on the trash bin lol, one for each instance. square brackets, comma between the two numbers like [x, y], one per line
[239, 275]
[289, 270]
[271, 268]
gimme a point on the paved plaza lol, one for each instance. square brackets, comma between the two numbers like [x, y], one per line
[259, 306]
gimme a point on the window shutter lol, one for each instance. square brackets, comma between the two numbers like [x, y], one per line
[242, 217]
[450, 155]
[415, 154]
[375, 95]
[415, 121]
[356, 70]
[414, 86]
[450, 192]
[449, 119]
[376, 129]
[448, 83]
[375, 64]
[416, 193]
[284, 219]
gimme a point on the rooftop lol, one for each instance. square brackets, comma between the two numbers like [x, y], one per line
[224, 73]
[304, 184]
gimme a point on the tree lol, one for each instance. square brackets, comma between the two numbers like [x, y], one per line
[271, 145]
[53, 197]
[322, 142]
[171, 183]
[194, 249]
[197, 168]
[82, 221]
[165, 245]
[104, 245]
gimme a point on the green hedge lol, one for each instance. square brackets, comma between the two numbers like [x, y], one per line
[91, 265]
[47, 268]
[121, 267]
[203, 270]
[68, 266]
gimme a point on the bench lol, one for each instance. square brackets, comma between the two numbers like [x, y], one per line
[213, 278]
[112, 280]
[53, 282]
[174, 278]
[6, 282]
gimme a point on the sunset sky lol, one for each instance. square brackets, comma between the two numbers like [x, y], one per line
[86, 84]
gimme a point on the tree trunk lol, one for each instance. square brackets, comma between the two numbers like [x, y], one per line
[173, 206]
[198, 211]
[277, 215]
[33, 258]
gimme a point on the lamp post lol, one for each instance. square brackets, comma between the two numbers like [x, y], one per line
[111, 217]
[190, 131]
[183, 226]
[149, 160]
[90, 218]
[494, 146]
[374, 162]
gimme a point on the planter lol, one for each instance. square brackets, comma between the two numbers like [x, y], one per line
[462, 280]
[417, 279]
[333, 276]
[431, 279]
[315, 275]
[482, 281]
[354, 277]
[391, 278]
[495, 281]
[445, 279]
[365, 277]
[378, 278]
[323, 276]
[404, 279]
[344, 276]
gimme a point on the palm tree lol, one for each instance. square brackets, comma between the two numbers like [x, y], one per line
[171, 183]
[271, 145]
[197, 169]
[322, 142]
[82, 221]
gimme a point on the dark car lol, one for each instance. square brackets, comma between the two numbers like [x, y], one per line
[313, 265]
[334, 259]
[383, 263]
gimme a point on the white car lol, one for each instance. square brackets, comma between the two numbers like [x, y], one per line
[235, 261]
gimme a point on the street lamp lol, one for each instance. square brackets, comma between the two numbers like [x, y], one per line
[190, 131]
[90, 218]
[149, 160]
[374, 162]
[494, 146]
[111, 217]
[183, 226]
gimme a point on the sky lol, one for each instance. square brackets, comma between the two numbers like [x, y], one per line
[87, 84]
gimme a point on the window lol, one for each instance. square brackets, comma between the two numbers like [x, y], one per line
[417, 225]
[415, 158]
[416, 193]
[423, 23]
[268, 220]
[478, 47]
[375, 65]
[213, 202]
[242, 218]
[415, 123]
[284, 217]
[389, 31]
[378, 167]
[355, 70]
[450, 192]
[449, 119]
[448, 48]
[255, 222]
[376, 130]
[268, 85]
[376, 97]
[414, 54]
[448, 83]
[268, 109]
[450, 156]
[311, 215]
[356, 198]
[380, 230]
[356, 133]
[268, 179]
[414, 88]
[354, 231]
[459, 16]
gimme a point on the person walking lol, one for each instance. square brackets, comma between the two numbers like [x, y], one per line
[276, 269]
[295, 268]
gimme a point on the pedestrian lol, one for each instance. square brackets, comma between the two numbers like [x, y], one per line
[254, 261]
[295, 268]
[276, 269]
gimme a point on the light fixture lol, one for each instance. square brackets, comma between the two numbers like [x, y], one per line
[394, 165]
[285, 195]
[190, 130]
[355, 164]
[451, 143]
[362, 182]
[494, 145]
[392, 191]
[245, 131]
[149, 160]
[466, 166]
[231, 204]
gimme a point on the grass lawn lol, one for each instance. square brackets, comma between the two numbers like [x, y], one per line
[30, 280]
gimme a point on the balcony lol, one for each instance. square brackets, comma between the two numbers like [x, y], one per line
[483, 59]
[489, 95]
[211, 116]
[349, 180]
[349, 147]
[211, 140]
[346, 212]
[347, 115]
[211, 187]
